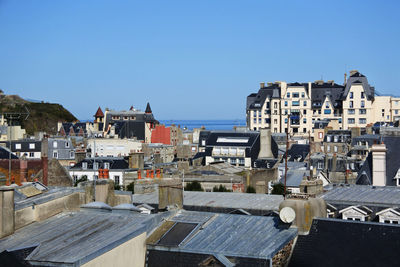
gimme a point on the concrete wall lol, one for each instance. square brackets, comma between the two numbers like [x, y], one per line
[6, 212]
[130, 253]
[40, 212]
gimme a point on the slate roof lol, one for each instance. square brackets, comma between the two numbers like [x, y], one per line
[5, 153]
[379, 196]
[294, 177]
[258, 204]
[392, 162]
[233, 235]
[298, 152]
[212, 139]
[335, 242]
[116, 163]
[130, 129]
[256, 101]
[359, 78]
[148, 108]
[78, 237]
[24, 145]
[320, 91]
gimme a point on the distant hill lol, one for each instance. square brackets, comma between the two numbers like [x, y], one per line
[42, 116]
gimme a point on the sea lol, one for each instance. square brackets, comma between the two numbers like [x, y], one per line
[208, 124]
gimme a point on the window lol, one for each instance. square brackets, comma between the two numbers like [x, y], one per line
[241, 161]
[327, 104]
[327, 111]
[106, 165]
[54, 144]
[335, 148]
[362, 103]
[319, 111]
[362, 95]
[304, 120]
[275, 105]
[351, 111]
[351, 121]
[396, 112]
[232, 161]
[31, 154]
[116, 179]
[275, 121]
[71, 154]
[295, 103]
[96, 166]
[67, 144]
[363, 111]
[304, 130]
[267, 120]
[305, 103]
[302, 95]
[288, 95]
[328, 148]
[286, 103]
[351, 104]
[351, 95]
[362, 121]
[255, 120]
[286, 111]
[55, 154]
[304, 111]
[285, 120]
[294, 95]
[17, 146]
[84, 165]
[320, 165]
[259, 120]
[32, 146]
[268, 105]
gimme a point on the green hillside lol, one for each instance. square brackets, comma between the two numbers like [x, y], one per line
[42, 116]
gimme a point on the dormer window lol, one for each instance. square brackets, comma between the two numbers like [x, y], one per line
[362, 95]
[84, 165]
[362, 103]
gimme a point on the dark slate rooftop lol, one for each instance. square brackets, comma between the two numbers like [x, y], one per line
[233, 235]
[232, 138]
[378, 196]
[335, 242]
[294, 177]
[298, 152]
[78, 237]
[392, 162]
[319, 91]
[116, 163]
[358, 78]
[5, 153]
[259, 204]
[257, 100]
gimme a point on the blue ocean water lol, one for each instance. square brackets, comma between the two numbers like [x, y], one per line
[208, 124]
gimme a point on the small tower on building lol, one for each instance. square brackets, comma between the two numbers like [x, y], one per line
[148, 109]
[99, 116]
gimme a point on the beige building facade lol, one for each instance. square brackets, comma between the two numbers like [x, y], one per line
[295, 107]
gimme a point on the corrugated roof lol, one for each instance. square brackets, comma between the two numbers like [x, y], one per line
[234, 235]
[219, 200]
[78, 237]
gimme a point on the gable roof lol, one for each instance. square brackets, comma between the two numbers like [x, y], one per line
[361, 209]
[394, 210]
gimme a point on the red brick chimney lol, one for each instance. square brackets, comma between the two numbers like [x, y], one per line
[45, 169]
[23, 170]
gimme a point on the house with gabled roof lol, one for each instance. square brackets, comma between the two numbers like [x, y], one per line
[356, 213]
[389, 215]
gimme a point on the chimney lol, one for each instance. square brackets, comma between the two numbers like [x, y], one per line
[378, 164]
[352, 72]
[262, 85]
[265, 144]
[136, 160]
[170, 194]
[7, 224]
[45, 169]
[23, 171]
[345, 78]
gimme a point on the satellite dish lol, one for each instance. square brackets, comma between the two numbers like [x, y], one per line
[287, 215]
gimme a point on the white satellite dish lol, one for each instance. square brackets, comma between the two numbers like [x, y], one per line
[287, 215]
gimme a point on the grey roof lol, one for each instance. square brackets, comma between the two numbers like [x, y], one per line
[219, 201]
[126, 207]
[234, 235]
[256, 101]
[358, 78]
[294, 177]
[97, 206]
[379, 196]
[78, 237]
[22, 201]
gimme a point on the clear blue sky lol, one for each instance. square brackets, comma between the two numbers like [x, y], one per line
[190, 59]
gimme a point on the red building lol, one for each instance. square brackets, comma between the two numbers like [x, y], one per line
[161, 134]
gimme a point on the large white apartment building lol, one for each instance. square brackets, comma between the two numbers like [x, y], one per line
[297, 106]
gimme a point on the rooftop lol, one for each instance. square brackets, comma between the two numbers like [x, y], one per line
[259, 204]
